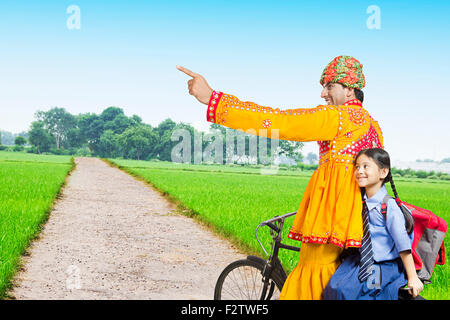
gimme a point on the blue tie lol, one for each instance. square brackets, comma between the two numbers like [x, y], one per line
[365, 251]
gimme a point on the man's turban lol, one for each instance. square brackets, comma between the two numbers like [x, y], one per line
[346, 70]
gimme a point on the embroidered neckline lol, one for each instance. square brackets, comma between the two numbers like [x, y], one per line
[353, 102]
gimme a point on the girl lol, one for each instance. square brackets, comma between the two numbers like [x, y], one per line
[377, 270]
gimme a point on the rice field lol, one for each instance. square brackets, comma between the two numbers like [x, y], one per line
[231, 199]
[28, 186]
[234, 200]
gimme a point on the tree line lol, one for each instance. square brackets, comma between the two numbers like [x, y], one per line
[112, 134]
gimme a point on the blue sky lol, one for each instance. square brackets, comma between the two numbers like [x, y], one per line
[268, 52]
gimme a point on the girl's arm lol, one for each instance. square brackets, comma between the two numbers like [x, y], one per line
[414, 282]
[395, 224]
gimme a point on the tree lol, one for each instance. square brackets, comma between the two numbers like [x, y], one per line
[164, 145]
[135, 120]
[91, 128]
[110, 113]
[20, 141]
[58, 122]
[166, 125]
[108, 145]
[39, 137]
[422, 174]
[181, 132]
[291, 149]
[74, 138]
[312, 158]
[244, 145]
[119, 124]
[7, 138]
[138, 141]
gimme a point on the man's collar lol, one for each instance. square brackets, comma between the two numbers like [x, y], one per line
[376, 199]
[353, 102]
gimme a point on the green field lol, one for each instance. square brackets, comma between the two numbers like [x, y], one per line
[234, 200]
[28, 186]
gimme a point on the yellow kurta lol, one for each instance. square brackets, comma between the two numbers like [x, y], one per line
[330, 210]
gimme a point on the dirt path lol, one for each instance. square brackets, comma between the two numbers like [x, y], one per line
[113, 237]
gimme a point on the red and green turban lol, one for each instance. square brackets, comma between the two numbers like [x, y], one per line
[346, 70]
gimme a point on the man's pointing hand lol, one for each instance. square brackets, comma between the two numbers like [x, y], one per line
[198, 87]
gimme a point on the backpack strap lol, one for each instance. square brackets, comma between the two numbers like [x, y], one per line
[384, 205]
[409, 221]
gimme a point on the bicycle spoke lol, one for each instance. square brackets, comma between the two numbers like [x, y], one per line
[233, 276]
[239, 283]
[233, 282]
[231, 293]
[254, 284]
[247, 282]
[244, 282]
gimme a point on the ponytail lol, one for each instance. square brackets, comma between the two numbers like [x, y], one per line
[391, 180]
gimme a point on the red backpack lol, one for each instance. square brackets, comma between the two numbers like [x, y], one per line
[429, 231]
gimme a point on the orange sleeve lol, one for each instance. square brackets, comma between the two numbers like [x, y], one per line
[315, 124]
[380, 134]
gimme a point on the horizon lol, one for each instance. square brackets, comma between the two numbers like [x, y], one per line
[204, 126]
[125, 55]
[310, 147]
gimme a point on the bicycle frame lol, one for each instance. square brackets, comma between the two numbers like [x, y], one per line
[276, 243]
[273, 264]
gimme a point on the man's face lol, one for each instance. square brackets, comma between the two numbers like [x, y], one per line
[335, 93]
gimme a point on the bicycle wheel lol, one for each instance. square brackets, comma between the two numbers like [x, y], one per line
[242, 280]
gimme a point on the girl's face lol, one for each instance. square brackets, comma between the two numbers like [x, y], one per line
[368, 174]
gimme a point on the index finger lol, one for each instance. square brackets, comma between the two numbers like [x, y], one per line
[187, 71]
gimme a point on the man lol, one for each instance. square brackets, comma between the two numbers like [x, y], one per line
[329, 217]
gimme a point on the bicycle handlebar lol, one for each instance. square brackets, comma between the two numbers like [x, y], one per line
[277, 218]
[273, 227]
[270, 224]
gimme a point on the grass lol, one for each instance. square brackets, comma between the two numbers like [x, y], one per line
[231, 199]
[32, 157]
[29, 185]
[233, 168]
[234, 200]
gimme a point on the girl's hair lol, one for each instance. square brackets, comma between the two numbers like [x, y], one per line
[381, 158]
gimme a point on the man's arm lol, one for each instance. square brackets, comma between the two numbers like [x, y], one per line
[317, 124]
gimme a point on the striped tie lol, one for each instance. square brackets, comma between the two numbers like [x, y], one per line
[365, 251]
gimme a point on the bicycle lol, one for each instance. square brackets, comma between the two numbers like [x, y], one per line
[257, 279]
